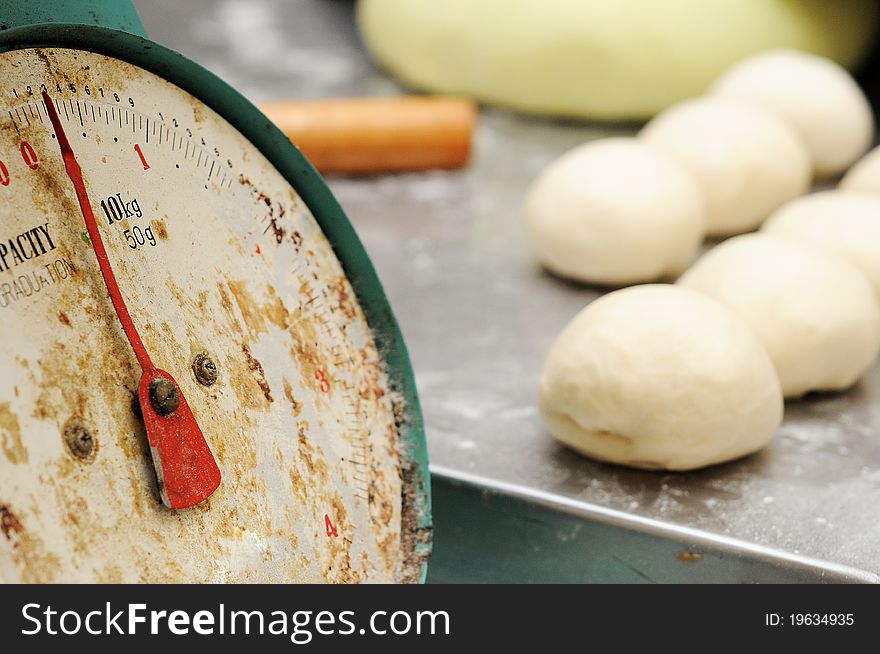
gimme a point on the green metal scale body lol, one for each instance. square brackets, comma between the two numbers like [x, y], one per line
[245, 282]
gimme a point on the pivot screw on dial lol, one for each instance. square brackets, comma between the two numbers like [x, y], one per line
[205, 369]
[164, 396]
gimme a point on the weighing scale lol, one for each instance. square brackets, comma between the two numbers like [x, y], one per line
[202, 380]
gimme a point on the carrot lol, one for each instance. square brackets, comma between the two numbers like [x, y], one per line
[374, 135]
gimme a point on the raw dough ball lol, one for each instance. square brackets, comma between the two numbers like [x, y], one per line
[864, 177]
[747, 160]
[847, 224]
[815, 313]
[659, 376]
[598, 59]
[615, 212]
[815, 95]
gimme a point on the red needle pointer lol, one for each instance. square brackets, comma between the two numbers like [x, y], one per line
[185, 466]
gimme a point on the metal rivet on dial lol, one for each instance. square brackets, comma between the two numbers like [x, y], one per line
[205, 369]
[79, 439]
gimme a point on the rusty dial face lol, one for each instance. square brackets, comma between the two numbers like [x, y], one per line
[236, 292]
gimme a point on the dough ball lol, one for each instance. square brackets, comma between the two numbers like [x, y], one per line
[847, 224]
[815, 313]
[615, 211]
[659, 376]
[747, 160]
[817, 97]
[598, 59]
[864, 177]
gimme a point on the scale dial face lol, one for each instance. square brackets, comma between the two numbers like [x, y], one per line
[218, 260]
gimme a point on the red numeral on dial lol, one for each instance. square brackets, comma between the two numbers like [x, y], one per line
[4, 174]
[328, 525]
[137, 148]
[323, 381]
[29, 156]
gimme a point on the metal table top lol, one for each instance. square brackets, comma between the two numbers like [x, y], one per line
[479, 316]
